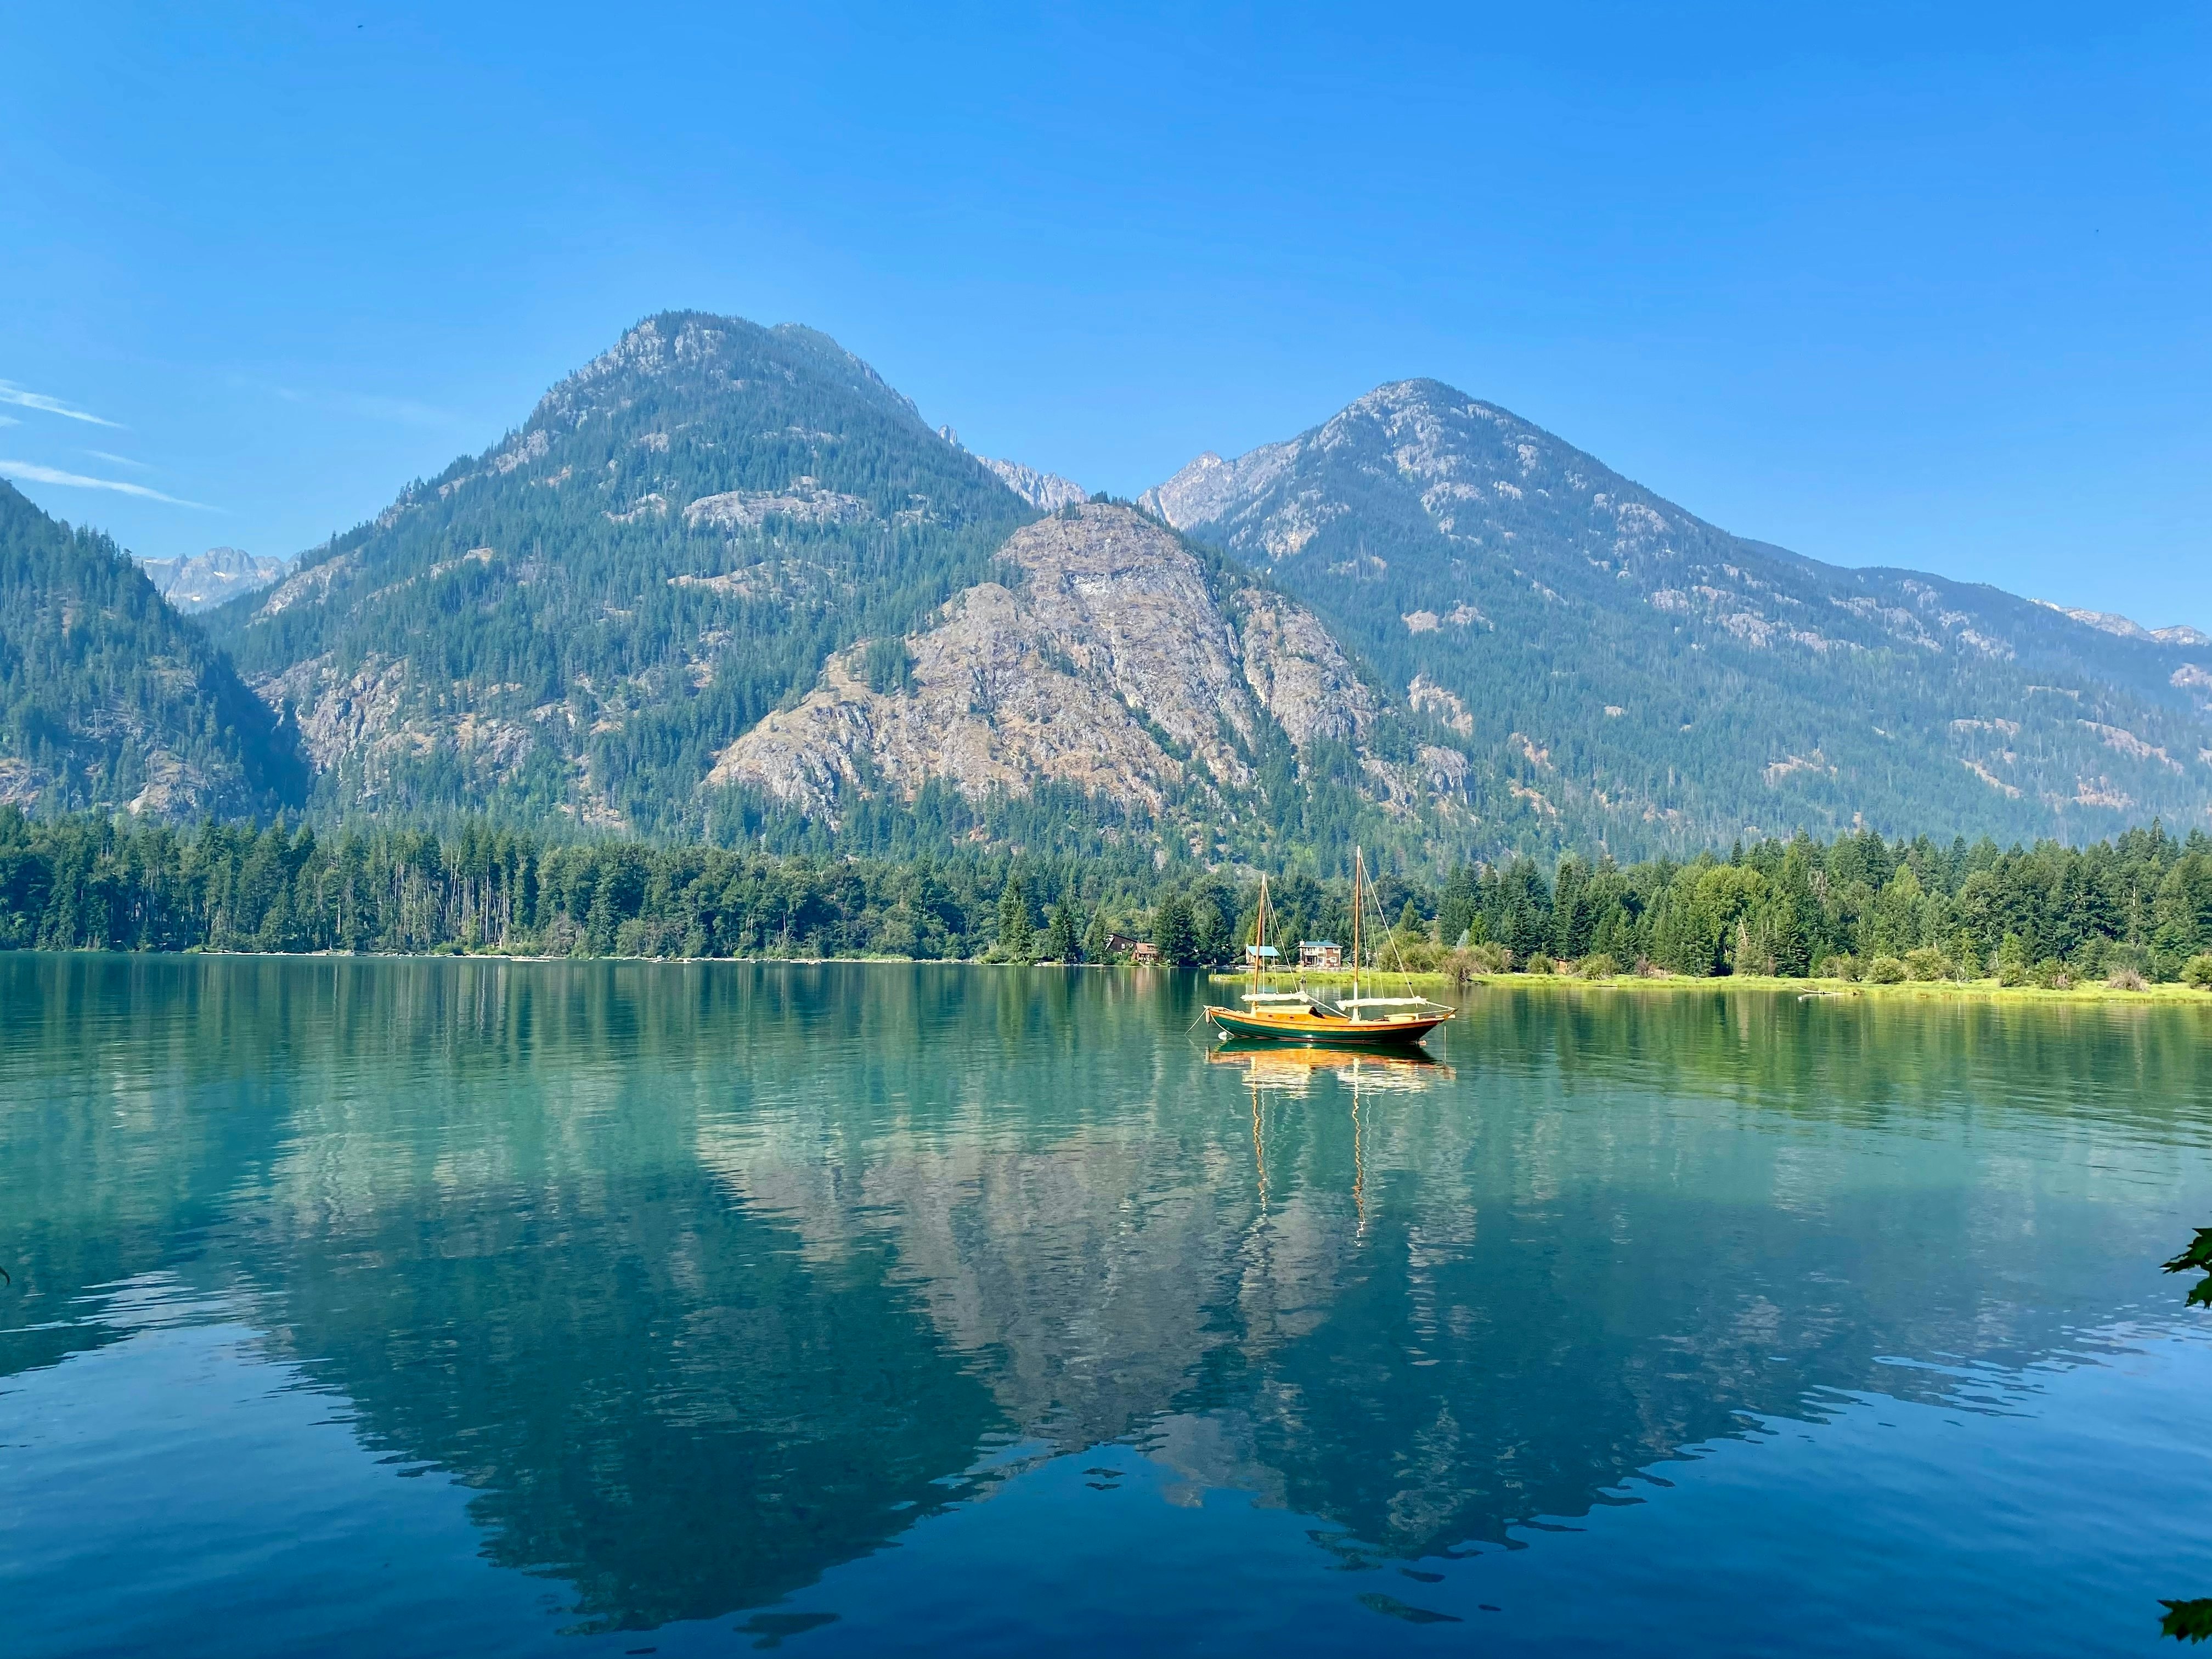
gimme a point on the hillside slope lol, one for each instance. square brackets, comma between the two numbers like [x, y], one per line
[108, 698]
[577, 620]
[1107, 658]
[1631, 676]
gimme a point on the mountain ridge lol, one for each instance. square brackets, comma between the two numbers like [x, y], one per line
[724, 580]
[1675, 675]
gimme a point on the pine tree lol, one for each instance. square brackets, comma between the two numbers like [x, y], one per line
[1173, 933]
[1060, 944]
[1017, 935]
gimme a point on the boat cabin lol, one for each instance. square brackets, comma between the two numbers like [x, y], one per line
[1324, 953]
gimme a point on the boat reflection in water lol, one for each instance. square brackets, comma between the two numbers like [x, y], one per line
[1271, 1068]
[1285, 1070]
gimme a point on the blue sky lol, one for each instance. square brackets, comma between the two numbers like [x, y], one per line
[1886, 284]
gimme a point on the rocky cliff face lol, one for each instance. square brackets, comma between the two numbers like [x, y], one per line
[1110, 662]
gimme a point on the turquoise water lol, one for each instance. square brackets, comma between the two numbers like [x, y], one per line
[439, 1307]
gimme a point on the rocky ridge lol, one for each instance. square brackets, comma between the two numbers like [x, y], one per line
[1047, 491]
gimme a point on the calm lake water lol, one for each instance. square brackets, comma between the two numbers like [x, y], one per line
[402, 1307]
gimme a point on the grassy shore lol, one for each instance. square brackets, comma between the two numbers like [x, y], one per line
[1986, 990]
[1983, 990]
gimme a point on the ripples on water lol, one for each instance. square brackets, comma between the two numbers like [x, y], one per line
[388, 1308]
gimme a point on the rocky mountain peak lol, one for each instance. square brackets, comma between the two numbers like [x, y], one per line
[1208, 488]
[698, 353]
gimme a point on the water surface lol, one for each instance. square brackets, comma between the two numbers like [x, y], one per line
[429, 1307]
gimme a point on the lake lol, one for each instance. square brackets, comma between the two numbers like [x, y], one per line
[432, 1307]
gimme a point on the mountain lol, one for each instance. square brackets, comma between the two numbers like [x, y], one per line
[110, 699]
[206, 580]
[1618, 671]
[1046, 491]
[578, 620]
[1106, 657]
[723, 581]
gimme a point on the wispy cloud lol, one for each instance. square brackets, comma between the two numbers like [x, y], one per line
[10, 420]
[119, 461]
[12, 393]
[31, 472]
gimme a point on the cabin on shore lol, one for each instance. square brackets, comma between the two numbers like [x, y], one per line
[1260, 956]
[1141, 951]
[1323, 953]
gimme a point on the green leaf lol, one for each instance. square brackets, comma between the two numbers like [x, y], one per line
[2187, 1621]
[2198, 1258]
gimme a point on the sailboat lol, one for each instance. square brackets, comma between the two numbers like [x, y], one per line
[1299, 1017]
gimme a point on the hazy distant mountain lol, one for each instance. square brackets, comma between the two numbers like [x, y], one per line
[109, 698]
[2105, 622]
[1619, 670]
[204, 580]
[1048, 490]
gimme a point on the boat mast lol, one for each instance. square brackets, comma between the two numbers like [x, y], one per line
[1358, 866]
[1259, 936]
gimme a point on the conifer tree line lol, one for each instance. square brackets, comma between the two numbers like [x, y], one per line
[2137, 907]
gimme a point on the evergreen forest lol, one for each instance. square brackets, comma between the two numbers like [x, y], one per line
[2135, 909]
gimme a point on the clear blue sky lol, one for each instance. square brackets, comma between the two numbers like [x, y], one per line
[1884, 284]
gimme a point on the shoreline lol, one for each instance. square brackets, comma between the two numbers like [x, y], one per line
[1970, 990]
[1982, 990]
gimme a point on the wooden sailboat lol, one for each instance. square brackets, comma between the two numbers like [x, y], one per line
[1301, 1018]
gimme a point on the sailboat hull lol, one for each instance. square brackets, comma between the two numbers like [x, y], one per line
[1309, 1025]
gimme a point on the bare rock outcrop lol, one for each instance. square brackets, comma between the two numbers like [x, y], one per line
[1300, 674]
[1109, 664]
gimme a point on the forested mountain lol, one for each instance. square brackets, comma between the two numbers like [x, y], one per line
[725, 582]
[1623, 674]
[577, 620]
[108, 697]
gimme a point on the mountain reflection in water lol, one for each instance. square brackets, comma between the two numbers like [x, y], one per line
[703, 1280]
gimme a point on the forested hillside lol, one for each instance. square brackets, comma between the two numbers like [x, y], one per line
[1633, 677]
[108, 697]
[575, 621]
[1861, 906]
